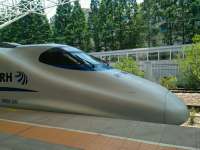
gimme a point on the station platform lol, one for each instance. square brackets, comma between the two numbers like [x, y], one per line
[30, 130]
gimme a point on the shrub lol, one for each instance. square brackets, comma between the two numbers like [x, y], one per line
[190, 66]
[192, 116]
[129, 65]
[169, 82]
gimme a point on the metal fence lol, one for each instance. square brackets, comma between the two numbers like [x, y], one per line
[157, 70]
[156, 62]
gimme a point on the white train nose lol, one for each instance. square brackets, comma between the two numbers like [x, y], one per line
[176, 111]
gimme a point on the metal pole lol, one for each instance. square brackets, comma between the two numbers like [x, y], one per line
[149, 22]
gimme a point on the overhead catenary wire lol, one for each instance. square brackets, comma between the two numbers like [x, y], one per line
[13, 10]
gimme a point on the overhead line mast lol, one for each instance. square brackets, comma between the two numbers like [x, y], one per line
[12, 10]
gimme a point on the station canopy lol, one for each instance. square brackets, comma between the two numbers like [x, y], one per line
[12, 10]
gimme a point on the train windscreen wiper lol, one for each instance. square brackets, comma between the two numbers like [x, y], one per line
[84, 61]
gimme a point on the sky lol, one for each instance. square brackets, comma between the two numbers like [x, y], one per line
[51, 11]
[84, 4]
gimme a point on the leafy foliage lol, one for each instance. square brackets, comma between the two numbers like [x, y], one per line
[33, 28]
[93, 24]
[169, 82]
[70, 26]
[111, 24]
[190, 66]
[129, 65]
[192, 116]
[61, 21]
[118, 24]
[172, 21]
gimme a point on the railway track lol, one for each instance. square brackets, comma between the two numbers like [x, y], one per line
[185, 91]
[190, 97]
[196, 107]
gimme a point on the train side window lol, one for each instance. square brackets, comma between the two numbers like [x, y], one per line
[57, 57]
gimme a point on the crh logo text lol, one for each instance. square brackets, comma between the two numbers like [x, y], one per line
[21, 77]
[9, 77]
[6, 77]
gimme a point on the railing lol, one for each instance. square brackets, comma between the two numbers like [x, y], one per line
[143, 54]
[157, 62]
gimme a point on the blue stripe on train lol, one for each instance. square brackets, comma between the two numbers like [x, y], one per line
[10, 89]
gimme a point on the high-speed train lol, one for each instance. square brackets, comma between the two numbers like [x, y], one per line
[62, 78]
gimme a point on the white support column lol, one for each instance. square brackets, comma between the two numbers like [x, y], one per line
[183, 54]
[137, 58]
[118, 58]
[170, 55]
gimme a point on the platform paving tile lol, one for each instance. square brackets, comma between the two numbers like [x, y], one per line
[169, 148]
[90, 124]
[180, 136]
[130, 145]
[19, 115]
[54, 119]
[81, 123]
[106, 143]
[145, 146]
[110, 126]
[198, 138]
[158, 133]
[4, 136]
[147, 132]
[114, 127]
[20, 143]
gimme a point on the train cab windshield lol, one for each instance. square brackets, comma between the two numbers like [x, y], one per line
[86, 58]
[77, 60]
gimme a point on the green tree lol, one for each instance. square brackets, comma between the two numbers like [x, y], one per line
[106, 24]
[133, 33]
[93, 23]
[151, 13]
[119, 24]
[30, 29]
[61, 21]
[190, 66]
[139, 32]
[76, 33]
[70, 26]
[169, 82]
[129, 65]
[170, 22]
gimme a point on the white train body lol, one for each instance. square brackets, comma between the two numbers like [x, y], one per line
[35, 77]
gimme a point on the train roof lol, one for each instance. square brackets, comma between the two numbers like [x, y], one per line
[8, 45]
[40, 46]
